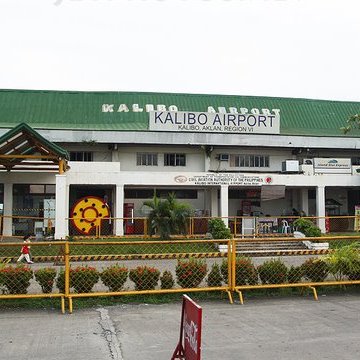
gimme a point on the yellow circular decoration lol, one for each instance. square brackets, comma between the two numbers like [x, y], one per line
[88, 212]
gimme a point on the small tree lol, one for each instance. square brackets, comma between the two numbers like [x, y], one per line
[168, 216]
[218, 230]
[307, 227]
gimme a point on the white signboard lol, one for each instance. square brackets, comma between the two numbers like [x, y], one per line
[214, 122]
[223, 179]
[332, 166]
[49, 213]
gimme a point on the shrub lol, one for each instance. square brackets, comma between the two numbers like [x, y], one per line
[295, 274]
[353, 271]
[144, 277]
[190, 273]
[273, 271]
[83, 278]
[214, 278]
[307, 227]
[114, 277]
[2, 265]
[245, 271]
[218, 230]
[46, 277]
[60, 281]
[16, 279]
[344, 261]
[167, 280]
[315, 270]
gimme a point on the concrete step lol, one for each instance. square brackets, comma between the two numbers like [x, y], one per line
[270, 245]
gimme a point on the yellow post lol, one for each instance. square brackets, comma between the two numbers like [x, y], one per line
[240, 297]
[233, 263]
[314, 292]
[229, 258]
[63, 305]
[67, 270]
[61, 166]
[70, 305]
[146, 227]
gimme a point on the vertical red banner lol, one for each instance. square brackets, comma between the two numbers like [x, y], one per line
[189, 346]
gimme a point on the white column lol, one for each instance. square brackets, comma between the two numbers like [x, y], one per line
[214, 202]
[8, 206]
[119, 210]
[224, 203]
[207, 163]
[304, 201]
[61, 207]
[320, 207]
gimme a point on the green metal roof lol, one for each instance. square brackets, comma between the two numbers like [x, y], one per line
[84, 110]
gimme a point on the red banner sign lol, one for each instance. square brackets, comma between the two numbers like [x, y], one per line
[189, 346]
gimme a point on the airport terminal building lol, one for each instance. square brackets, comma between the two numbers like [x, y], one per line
[228, 156]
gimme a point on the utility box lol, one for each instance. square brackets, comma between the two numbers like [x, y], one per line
[290, 166]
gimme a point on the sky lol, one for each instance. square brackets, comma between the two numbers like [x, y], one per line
[281, 48]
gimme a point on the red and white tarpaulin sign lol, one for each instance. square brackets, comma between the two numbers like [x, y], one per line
[189, 346]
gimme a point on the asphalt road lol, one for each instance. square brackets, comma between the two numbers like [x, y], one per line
[263, 328]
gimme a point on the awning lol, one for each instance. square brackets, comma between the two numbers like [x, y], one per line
[22, 148]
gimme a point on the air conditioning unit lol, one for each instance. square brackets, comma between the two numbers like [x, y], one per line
[289, 166]
[224, 157]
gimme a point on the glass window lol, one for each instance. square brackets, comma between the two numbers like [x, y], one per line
[146, 159]
[249, 161]
[174, 160]
[28, 199]
[81, 156]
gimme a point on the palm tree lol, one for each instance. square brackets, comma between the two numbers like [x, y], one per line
[168, 216]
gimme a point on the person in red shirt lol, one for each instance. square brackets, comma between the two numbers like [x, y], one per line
[25, 251]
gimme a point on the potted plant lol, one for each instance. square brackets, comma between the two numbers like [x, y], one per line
[273, 271]
[315, 269]
[144, 277]
[295, 274]
[190, 273]
[214, 278]
[16, 279]
[245, 271]
[45, 277]
[167, 280]
[83, 278]
[114, 277]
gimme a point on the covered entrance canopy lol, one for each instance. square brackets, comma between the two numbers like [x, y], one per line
[22, 148]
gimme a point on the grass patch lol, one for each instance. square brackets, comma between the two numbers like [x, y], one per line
[31, 303]
[131, 247]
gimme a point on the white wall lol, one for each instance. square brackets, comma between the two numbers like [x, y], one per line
[194, 158]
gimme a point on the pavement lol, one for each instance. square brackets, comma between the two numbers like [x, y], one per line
[278, 328]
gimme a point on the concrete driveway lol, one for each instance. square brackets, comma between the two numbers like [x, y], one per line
[264, 328]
